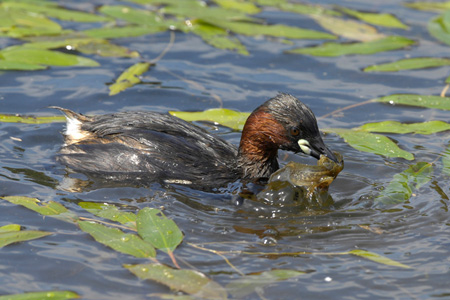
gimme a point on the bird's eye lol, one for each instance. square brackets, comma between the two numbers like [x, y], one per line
[295, 131]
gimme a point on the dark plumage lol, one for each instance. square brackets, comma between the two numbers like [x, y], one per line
[153, 146]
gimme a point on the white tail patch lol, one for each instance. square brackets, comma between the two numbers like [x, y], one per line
[73, 130]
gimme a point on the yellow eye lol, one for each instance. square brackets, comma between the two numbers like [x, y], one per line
[295, 131]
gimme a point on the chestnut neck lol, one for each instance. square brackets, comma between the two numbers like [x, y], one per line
[261, 138]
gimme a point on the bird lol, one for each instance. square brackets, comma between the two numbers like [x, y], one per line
[152, 146]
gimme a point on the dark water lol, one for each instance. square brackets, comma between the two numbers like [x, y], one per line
[415, 233]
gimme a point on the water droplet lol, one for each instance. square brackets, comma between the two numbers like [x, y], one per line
[269, 241]
[328, 279]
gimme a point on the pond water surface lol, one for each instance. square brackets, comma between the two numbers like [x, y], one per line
[192, 76]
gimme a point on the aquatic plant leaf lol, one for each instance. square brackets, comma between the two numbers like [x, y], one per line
[439, 27]
[187, 281]
[402, 186]
[348, 28]
[128, 78]
[30, 119]
[110, 212]
[53, 295]
[380, 19]
[223, 116]
[19, 66]
[118, 240]
[378, 258]
[246, 7]
[217, 37]
[429, 127]
[277, 30]
[55, 12]
[105, 48]
[10, 227]
[10, 237]
[446, 161]
[45, 57]
[409, 64]
[18, 23]
[427, 101]
[207, 13]
[428, 6]
[372, 143]
[154, 227]
[50, 208]
[132, 15]
[447, 80]
[246, 285]
[120, 32]
[336, 49]
[306, 9]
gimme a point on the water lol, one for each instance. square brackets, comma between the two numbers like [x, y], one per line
[415, 233]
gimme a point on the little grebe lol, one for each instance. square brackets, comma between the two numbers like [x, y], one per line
[154, 146]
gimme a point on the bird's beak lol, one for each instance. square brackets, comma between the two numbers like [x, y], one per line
[316, 149]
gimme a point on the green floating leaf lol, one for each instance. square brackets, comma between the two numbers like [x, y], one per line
[110, 212]
[54, 295]
[428, 6]
[336, 49]
[187, 281]
[447, 81]
[121, 32]
[154, 227]
[278, 30]
[378, 258]
[50, 208]
[348, 28]
[32, 56]
[446, 161]
[246, 285]
[386, 20]
[118, 240]
[10, 237]
[402, 186]
[223, 116]
[246, 7]
[30, 120]
[218, 37]
[427, 101]
[409, 64]
[105, 48]
[132, 15]
[307, 9]
[372, 143]
[439, 27]
[10, 227]
[397, 127]
[55, 12]
[18, 66]
[128, 78]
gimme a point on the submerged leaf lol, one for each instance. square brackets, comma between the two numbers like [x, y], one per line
[223, 116]
[154, 227]
[402, 186]
[9, 237]
[187, 281]
[409, 64]
[378, 258]
[248, 284]
[348, 28]
[439, 27]
[30, 120]
[429, 127]
[118, 240]
[336, 49]
[53, 295]
[110, 212]
[128, 78]
[427, 101]
[386, 20]
[372, 143]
